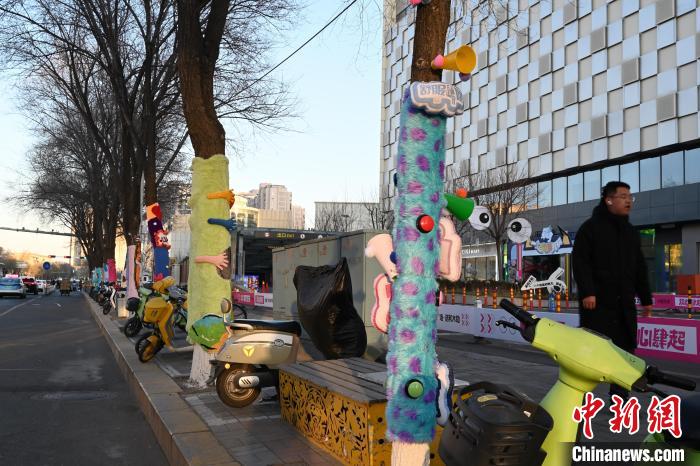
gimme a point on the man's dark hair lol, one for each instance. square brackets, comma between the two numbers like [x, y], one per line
[611, 188]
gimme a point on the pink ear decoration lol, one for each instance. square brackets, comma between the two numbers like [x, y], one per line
[220, 260]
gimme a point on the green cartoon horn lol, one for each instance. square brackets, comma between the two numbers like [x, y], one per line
[460, 207]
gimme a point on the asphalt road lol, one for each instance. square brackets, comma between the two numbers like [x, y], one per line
[63, 400]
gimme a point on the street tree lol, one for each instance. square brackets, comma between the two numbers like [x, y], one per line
[70, 182]
[232, 34]
[8, 262]
[420, 166]
[126, 46]
[379, 212]
[336, 216]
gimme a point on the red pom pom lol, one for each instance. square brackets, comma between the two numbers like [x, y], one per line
[425, 223]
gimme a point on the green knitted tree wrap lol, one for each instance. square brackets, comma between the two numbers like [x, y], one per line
[206, 288]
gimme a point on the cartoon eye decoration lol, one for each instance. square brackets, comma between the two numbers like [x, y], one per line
[519, 230]
[480, 219]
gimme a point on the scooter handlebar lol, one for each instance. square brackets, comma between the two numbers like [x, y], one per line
[518, 312]
[655, 375]
[527, 320]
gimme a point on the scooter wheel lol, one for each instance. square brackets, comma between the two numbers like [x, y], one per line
[229, 393]
[106, 308]
[132, 327]
[147, 347]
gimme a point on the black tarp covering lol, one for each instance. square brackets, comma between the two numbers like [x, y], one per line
[326, 311]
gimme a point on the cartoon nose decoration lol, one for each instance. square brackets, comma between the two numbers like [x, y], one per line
[519, 230]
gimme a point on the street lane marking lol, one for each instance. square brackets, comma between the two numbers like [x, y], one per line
[58, 305]
[15, 307]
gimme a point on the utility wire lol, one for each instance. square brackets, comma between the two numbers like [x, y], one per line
[305, 43]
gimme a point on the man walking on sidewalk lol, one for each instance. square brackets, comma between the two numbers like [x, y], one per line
[609, 270]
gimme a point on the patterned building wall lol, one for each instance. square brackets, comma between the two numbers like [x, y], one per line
[560, 84]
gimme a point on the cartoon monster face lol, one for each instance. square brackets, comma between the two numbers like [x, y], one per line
[161, 239]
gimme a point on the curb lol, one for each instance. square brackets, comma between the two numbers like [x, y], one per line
[182, 435]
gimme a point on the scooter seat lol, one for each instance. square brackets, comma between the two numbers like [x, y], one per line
[690, 424]
[286, 326]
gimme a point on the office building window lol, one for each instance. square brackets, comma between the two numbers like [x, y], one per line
[692, 166]
[609, 174]
[672, 170]
[559, 191]
[544, 194]
[650, 171]
[575, 188]
[629, 173]
[531, 196]
[591, 185]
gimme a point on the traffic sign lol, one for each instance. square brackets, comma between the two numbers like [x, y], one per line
[47, 266]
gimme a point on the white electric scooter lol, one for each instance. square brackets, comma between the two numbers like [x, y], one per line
[251, 356]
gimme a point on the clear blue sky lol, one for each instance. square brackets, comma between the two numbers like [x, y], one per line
[333, 154]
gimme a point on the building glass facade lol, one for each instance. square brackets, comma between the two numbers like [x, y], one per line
[576, 94]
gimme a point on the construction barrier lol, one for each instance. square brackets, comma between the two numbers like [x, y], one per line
[659, 337]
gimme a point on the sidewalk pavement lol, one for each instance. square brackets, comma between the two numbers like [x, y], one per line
[194, 427]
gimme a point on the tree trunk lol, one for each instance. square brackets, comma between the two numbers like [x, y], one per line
[197, 53]
[432, 21]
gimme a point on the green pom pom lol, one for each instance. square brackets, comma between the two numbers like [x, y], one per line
[414, 389]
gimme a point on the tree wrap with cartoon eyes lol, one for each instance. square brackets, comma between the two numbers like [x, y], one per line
[159, 241]
[111, 271]
[411, 383]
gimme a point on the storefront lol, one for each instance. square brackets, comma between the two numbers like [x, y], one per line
[479, 262]
[541, 255]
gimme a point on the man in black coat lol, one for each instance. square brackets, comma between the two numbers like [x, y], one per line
[610, 270]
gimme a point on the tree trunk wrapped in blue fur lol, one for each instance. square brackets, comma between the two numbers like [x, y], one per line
[411, 383]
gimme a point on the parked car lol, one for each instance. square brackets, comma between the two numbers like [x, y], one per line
[30, 284]
[41, 286]
[12, 286]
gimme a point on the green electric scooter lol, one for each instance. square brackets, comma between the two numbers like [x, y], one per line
[585, 360]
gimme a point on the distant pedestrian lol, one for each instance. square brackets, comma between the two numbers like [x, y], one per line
[610, 270]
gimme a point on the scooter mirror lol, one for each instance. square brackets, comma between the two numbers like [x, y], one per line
[226, 306]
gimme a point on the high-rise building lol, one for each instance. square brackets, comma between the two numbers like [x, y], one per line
[274, 207]
[298, 217]
[273, 197]
[574, 94]
[245, 215]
